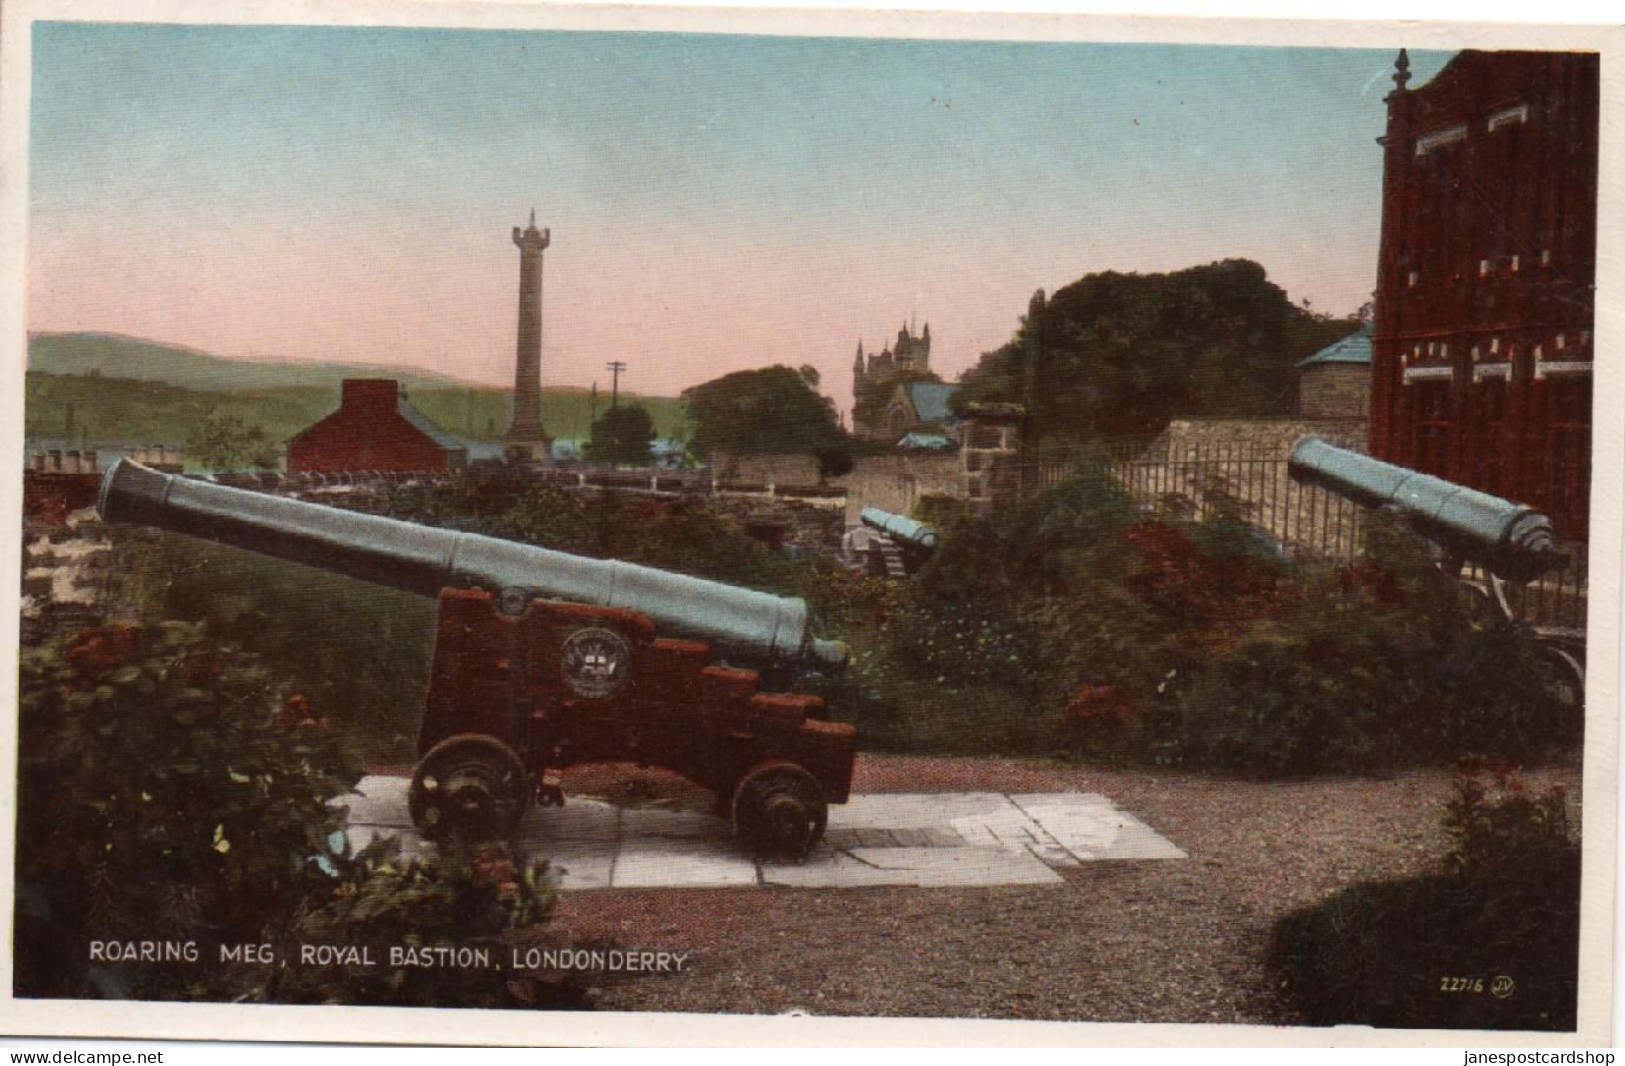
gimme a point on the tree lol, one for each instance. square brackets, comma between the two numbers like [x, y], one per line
[226, 442]
[623, 435]
[771, 410]
[833, 461]
[1121, 354]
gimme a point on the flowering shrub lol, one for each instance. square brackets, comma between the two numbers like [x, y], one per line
[1365, 668]
[417, 914]
[171, 789]
[163, 789]
[1504, 835]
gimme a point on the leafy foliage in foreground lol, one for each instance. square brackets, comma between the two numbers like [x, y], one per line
[171, 789]
[1491, 943]
[1077, 625]
[164, 789]
[472, 899]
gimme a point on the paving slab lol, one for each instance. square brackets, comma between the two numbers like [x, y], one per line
[960, 867]
[1091, 827]
[380, 801]
[924, 840]
[656, 863]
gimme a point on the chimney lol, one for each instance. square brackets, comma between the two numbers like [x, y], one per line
[370, 394]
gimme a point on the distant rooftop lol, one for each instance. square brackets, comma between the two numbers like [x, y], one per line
[930, 400]
[1354, 348]
[428, 428]
[924, 441]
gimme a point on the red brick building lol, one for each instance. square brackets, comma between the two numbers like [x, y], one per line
[1482, 346]
[374, 429]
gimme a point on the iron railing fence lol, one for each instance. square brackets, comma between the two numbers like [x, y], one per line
[1251, 482]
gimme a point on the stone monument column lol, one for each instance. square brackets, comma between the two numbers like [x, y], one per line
[525, 437]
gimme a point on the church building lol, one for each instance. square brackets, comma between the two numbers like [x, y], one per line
[883, 407]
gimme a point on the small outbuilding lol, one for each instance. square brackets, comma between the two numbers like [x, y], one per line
[1335, 382]
[374, 429]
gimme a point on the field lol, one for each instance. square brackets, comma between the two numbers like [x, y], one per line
[120, 389]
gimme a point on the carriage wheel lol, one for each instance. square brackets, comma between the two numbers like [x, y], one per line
[469, 787]
[1570, 683]
[779, 811]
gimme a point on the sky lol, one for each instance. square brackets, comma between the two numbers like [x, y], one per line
[716, 202]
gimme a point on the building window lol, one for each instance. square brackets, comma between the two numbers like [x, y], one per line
[1567, 460]
[1545, 257]
[1411, 279]
[1483, 267]
[1511, 116]
[1515, 264]
[1432, 427]
[1440, 138]
[1490, 436]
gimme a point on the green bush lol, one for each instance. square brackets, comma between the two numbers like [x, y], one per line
[172, 788]
[476, 900]
[1075, 625]
[165, 788]
[1492, 943]
[358, 652]
[1364, 669]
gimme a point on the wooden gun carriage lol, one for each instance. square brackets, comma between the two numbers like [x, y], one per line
[545, 660]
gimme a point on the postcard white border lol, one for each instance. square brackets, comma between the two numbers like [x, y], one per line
[450, 1026]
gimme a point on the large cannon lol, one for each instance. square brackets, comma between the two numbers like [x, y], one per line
[1511, 540]
[543, 660]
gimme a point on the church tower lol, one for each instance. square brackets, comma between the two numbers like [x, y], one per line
[525, 438]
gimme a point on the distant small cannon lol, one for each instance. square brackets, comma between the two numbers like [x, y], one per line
[905, 530]
[544, 660]
[1512, 541]
[905, 545]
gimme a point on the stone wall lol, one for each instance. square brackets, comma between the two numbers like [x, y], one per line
[895, 482]
[1335, 390]
[765, 469]
[1266, 438]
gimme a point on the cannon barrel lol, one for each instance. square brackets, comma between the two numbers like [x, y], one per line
[896, 526]
[1516, 542]
[424, 560]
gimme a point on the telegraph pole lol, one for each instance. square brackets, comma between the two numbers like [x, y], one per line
[615, 368]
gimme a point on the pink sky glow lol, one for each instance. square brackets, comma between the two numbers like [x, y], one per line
[680, 306]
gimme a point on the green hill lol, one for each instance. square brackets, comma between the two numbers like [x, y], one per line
[124, 389]
[114, 356]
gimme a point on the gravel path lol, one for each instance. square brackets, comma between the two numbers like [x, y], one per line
[1166, 941]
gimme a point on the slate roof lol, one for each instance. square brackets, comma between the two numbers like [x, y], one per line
[924, 441]
[1354, 348]
[930, 400]
[428, 428]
